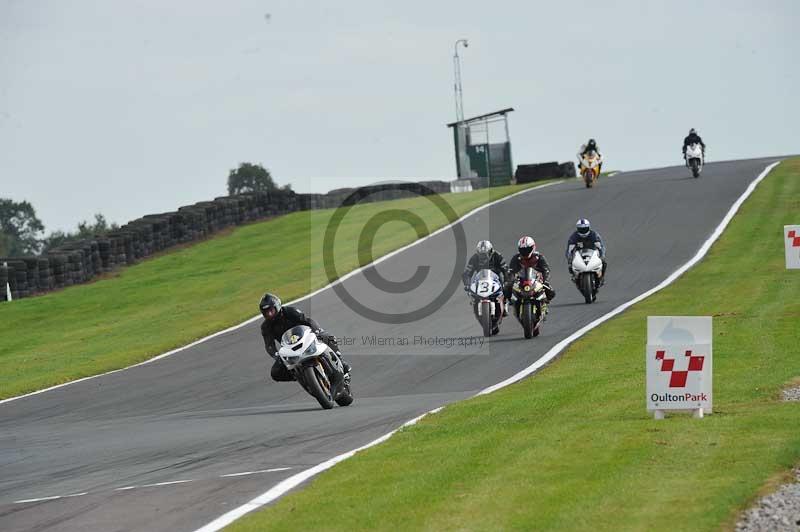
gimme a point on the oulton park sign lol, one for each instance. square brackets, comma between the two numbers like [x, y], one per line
[791, 239]
[679, 367]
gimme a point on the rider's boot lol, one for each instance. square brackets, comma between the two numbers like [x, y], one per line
[345, 366]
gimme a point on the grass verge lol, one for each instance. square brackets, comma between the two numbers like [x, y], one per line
[572, 448]
[181, 296]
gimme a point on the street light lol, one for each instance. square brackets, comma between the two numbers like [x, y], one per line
[457, 69]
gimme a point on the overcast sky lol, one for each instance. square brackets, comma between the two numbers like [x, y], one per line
[136, 107]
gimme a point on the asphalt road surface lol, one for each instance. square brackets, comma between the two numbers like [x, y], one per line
[162, 446]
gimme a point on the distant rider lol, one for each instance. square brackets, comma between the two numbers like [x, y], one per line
[528, 257]
[693, 138]
[485, 257]
[585, 237]
[277, 320]
[589, 147]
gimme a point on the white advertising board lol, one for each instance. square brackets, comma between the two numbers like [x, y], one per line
[679, 367]
[791, 239]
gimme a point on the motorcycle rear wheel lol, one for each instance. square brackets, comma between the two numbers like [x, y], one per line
[345, 397]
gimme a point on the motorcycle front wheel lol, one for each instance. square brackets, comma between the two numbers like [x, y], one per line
[486, 318]
[527, 319]
[588, 177]
[586, 287]
[319, 386]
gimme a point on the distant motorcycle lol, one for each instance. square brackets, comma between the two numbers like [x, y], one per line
[695, 158]
[486, 294]
[316, 367]
[529, 301]
[590, 168]
[587, 268]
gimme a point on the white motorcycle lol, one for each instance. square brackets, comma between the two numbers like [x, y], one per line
[695, 158]
[316, 367]
[587, 268]
[486, 294]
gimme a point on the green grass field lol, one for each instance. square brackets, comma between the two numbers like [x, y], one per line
[184, 295]
[572, 448]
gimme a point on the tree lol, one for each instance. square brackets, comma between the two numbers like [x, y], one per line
[85, 230]
[20, 228]
[251, 178]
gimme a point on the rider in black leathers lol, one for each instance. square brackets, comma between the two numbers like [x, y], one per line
[590, 146]
[693, 138]
[277, 320]
[485, 257]
[528, 257]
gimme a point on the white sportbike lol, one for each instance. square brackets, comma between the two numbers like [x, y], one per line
[485, 291]
[315, 366]
[587, 268]
[695, 158]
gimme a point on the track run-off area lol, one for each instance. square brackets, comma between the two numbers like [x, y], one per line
[174, 444]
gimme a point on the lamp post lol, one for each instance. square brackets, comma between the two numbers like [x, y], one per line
[457, 69]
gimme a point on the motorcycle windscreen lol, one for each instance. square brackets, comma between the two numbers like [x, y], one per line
[293, 335]
[485, 275]
[529, 274]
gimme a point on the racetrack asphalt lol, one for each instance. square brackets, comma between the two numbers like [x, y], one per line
[211, 411]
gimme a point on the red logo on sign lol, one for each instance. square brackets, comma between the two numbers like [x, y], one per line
[677, 378]
[795, 239]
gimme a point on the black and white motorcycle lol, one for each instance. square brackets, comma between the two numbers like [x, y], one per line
[695, 159]
[486, 295]
[587, 272]
[316, 367]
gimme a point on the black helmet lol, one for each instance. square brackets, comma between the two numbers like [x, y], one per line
[693, 131]
[592, 143]
[270, 306]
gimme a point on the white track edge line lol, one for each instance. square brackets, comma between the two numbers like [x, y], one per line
[303, 298]
[285, 485]
[293, 481]
[245, 473]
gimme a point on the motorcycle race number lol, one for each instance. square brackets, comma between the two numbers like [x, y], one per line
[791, 240]
[485, 287]
[679, 368]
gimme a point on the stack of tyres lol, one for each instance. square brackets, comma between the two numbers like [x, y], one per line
[58, 267]
[18, 279]
[45, 279]
[32, 274]
[97, 262]
[72, 269]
